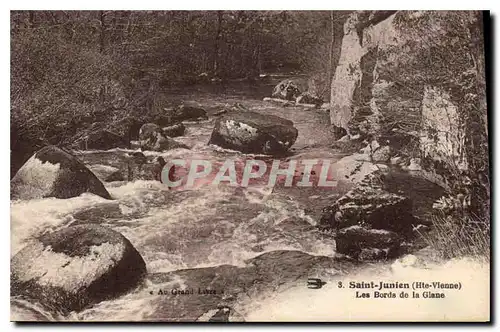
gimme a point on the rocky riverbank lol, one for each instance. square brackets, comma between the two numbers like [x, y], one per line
[254, 241]
[213, 252]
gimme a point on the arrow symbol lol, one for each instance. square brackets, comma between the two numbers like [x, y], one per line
[315, 283]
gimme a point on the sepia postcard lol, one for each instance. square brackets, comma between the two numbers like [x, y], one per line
[249, 166]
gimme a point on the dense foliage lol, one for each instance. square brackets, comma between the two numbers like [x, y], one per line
[78, 71]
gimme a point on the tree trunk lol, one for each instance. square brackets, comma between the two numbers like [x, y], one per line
[337, 21]
[259, 60]
[102, 37]
[31, 19]
[332, 42]
[102, 90]
[217, 42]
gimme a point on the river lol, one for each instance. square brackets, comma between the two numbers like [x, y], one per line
[256, 246]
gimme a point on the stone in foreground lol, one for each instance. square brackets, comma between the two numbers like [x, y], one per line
[103, 140]
[367, 244]
[286, 90]
[188, 113]
[152, 138]
[252, 132]
[52, 172]
[365, 205]
[175, 130]
[73, 268]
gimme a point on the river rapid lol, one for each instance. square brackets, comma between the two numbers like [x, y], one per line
[255, 246]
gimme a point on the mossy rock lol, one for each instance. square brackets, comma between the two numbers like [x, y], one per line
[73, 268]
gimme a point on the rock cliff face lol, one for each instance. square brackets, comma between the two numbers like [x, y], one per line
[442, 136]
[354, 80]
[415, 79]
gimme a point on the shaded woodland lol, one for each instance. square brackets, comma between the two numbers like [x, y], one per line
[74, 70]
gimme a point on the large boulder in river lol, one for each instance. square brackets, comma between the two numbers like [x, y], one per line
[52, 172]
[148, 130]
[286, 90]
[151, 138]
[186, 113]
[175, 130]
[22, 147]
[369, 204]
[75, 267]
[367, 244]
[103, 140]
[252, 132]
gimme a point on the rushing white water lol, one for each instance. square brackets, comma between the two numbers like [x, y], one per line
[190, 228]
[205, 227]
[172, 230]
[34, 217]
